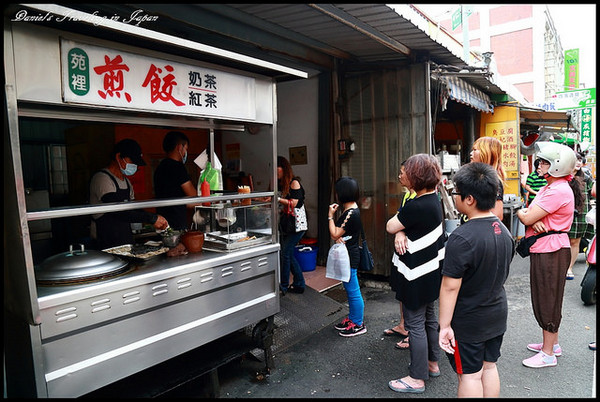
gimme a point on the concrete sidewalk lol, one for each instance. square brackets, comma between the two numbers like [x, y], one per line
[325, 365]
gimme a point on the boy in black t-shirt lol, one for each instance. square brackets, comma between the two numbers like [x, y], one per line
[472, 304]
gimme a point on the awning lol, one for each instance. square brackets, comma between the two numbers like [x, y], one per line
[467, 94]
[538, 125]
[549, 119]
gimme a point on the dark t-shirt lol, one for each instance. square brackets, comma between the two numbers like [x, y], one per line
[418, 282]
[297, 194]
[480, 252]
[351, 223]
[168, 178]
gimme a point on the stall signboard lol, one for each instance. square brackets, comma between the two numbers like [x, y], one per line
[506, 132]
[106, 77]
[577, 99]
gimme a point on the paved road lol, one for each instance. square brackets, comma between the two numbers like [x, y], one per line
[325, 365]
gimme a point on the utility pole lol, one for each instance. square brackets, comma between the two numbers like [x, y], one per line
[465, 27]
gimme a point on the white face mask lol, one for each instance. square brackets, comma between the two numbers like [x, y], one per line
[130, 168]
[184, 157]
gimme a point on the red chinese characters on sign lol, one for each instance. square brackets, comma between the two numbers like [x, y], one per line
[572, 77]
[113, 77]
[161, 88]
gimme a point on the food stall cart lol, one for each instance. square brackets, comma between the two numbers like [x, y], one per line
[76, 329]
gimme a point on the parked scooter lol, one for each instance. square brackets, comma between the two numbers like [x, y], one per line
[588, 283]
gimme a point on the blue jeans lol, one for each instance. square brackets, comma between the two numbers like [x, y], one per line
[356, 303]
[289, 262]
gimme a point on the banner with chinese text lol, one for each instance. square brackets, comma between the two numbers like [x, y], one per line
[586, 125]
[106, 77]
[576, 99]
[571, 69]
[507, 133]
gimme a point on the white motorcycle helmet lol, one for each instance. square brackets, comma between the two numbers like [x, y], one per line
[562, 158]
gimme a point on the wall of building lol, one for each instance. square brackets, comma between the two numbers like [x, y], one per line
[525, 45]
[297, 127]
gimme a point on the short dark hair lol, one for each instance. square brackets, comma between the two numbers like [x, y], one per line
[346, 189]
[172, 139]
[423, 171]
[480, 181]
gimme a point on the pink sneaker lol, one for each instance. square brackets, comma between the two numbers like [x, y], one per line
[537, 347]
[540, 360]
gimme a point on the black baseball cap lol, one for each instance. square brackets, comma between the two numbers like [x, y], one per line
[131, 149]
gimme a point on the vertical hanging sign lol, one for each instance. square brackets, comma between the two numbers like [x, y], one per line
[586, 124]
[506, 133]
[571, 69]
[456, 19]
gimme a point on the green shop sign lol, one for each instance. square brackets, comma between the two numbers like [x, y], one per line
[79, 71]
[577, 99]
[586, 125]
[572, 69]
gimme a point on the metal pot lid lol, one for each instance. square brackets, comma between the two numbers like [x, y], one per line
[79, 264]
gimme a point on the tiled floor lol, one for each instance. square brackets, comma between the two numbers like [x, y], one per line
[316, 279]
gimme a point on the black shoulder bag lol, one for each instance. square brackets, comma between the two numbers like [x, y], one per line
[366, 258]
[525, 243]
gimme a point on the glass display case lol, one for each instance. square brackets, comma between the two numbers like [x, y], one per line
[233, 225]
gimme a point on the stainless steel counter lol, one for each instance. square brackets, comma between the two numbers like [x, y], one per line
[96, 333]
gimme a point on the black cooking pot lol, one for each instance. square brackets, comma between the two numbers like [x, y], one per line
[79, 264]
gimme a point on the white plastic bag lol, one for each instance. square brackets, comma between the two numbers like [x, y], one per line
[338, 263]
[590, 217]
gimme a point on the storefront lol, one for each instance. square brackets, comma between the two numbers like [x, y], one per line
[69, 98]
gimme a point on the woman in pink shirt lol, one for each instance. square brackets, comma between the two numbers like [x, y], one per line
[552, 209]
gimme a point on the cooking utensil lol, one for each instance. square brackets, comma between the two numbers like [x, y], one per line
[193, 241]
[125, 251]
[198, 220]
[226, 216]
[170, 237]
[221, 238]
[79, 264]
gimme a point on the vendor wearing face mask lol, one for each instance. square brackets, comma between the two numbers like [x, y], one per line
[171, 179]
[112, 185]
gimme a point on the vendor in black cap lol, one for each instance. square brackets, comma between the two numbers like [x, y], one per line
[112, 185]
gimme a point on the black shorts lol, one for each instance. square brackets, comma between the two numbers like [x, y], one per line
[468, 358]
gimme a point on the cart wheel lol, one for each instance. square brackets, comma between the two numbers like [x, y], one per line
[259, 333]
[262, 334]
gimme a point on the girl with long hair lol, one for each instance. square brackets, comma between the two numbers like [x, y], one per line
[489, 150]
[292, 195]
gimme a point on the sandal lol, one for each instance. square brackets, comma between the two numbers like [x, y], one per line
[592, 346]
[403, 344]
[401, 386]
[393, 332]
[570, 276]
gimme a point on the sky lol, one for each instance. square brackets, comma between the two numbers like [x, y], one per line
[575, 24]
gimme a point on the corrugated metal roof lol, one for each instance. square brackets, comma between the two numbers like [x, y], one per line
[385, 24]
